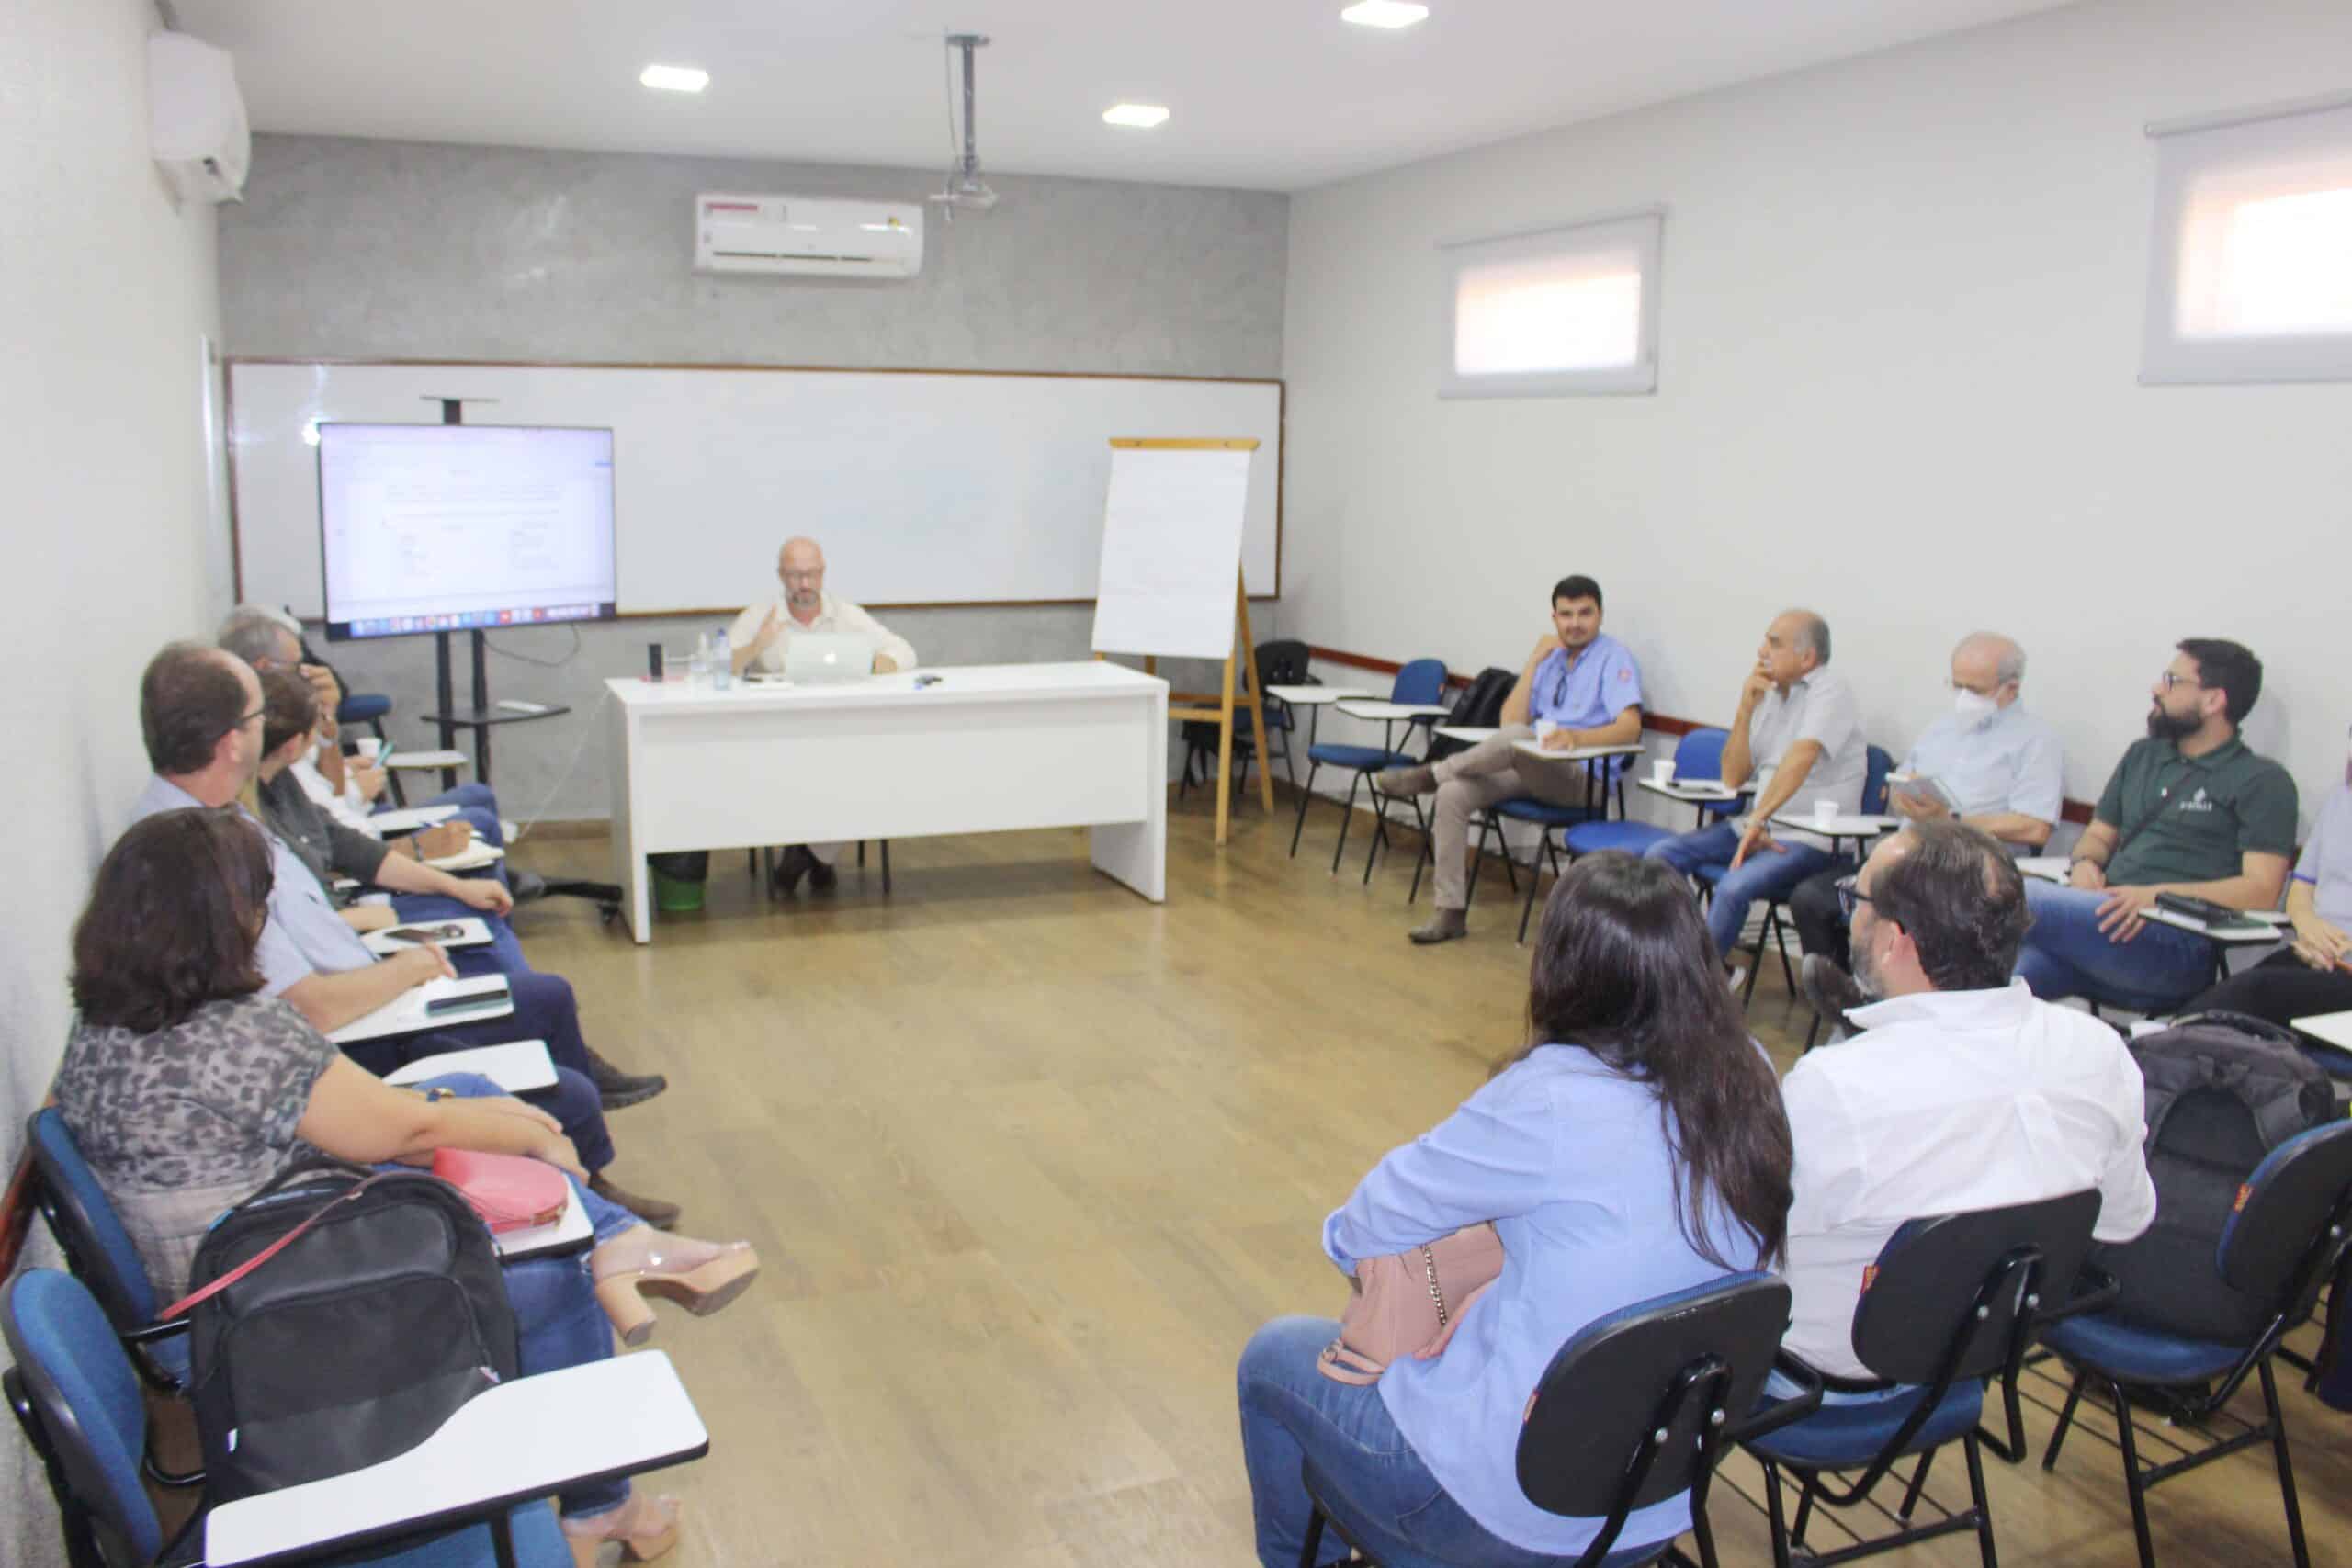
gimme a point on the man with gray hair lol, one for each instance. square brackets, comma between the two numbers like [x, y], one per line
[1986, 760]
[1796, 738]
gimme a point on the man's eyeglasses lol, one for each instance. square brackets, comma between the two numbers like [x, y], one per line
[2171, 680]
[244, 721]
[1848, 895]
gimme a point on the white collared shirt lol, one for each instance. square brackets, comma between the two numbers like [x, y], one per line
[836, 617]
[1949, 1101]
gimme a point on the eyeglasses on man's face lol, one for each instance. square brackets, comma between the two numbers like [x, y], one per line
[1850, 897]
[2171, 679]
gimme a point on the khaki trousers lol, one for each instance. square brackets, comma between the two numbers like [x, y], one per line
[1489, 772]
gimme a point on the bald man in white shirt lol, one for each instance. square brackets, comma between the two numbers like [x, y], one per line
[758, 640]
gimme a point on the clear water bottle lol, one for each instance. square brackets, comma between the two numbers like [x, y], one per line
[722, 663]
[698, 674]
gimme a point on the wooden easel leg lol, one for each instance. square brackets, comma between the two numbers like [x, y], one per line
[1248, 653]
[1225, 754]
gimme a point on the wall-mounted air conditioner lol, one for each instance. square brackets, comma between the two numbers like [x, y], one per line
[793, 234]
[196, 117]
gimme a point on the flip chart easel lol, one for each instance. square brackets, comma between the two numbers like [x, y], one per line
[1171, 551]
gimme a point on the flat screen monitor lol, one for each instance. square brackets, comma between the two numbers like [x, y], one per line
[458, 527]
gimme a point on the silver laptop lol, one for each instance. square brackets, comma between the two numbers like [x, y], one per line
[811, 657]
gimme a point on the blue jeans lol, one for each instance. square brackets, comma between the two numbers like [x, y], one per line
[1764, 874]
[2065, 954]
[1291, 1413]
[558, 1323]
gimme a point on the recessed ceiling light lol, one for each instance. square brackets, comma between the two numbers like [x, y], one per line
[674, 78]
[1143, 117]
[1384, 13]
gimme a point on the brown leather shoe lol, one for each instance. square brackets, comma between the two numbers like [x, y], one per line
[662, 1216]
[1404, 782]
[1445, 925]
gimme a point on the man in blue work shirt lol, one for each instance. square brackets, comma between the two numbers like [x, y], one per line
[1578, 688]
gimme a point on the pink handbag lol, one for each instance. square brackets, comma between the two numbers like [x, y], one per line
[1408, 1303]
[509, 1191]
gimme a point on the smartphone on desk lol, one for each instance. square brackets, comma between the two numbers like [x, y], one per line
[439, 1006]
[425, 933]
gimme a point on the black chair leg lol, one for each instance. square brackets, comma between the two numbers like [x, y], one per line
[2065, 1420]
[1983, 1505]
[751, 864]
[1812, 1034]
[886, 867]
[1805, 1506]
[1527, 910]
[1778, 936]
[2134, 1487]
[1314, 1547]
[1347, 821]
[1918, 1482]
[1773, 1517]
[1487, 826]
[1303, 796]
[2285, 1468]
[1379, 834]
[1428, 857]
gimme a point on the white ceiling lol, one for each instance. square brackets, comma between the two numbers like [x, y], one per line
[1276, 95]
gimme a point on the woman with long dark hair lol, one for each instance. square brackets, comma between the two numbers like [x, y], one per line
[187, 1090]
[1634, 1146]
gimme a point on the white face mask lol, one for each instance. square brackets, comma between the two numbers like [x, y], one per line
[1974, 708]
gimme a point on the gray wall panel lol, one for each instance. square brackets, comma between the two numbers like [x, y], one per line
[353, 249]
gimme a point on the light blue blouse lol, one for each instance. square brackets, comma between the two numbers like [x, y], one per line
[1570, 1161]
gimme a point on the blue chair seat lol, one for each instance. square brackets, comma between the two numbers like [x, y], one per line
[1364, 759]
[1633, 838]
[1544, 814]
[361, 707]
[1851, 1432]
[2113, 1349]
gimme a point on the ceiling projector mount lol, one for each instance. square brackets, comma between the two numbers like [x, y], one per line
[966, 190]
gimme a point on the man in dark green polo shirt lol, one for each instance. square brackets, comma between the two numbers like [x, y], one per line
[2190, 810]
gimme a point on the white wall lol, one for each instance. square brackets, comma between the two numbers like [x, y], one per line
[106, 285]
[1901, 316]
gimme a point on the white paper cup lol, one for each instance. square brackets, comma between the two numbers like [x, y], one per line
[1825, 812]
[1662, 770]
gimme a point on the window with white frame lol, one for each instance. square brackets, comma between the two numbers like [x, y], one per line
[2250, 269]
[1555, 312]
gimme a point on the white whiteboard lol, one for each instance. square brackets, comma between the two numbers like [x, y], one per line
[1171, 538]
[922, 487]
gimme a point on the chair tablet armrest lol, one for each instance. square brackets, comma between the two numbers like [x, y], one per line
[526, 1438]
[1774, 1415]
[2096, 1290]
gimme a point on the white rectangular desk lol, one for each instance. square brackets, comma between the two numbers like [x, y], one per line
[471, 931]
[984, 749]
[2266, 927]
[405, 1014]
[506, 1445]
[519, 1066]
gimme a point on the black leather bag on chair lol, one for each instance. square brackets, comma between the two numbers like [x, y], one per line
[1479, 705]
[355, 1340]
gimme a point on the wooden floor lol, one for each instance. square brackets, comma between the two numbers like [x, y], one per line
[1028, 1158]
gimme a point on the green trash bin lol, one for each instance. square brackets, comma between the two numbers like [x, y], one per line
[678, 880]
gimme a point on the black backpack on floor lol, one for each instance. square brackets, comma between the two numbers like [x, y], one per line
[354, 1341]
[2222, 1090]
